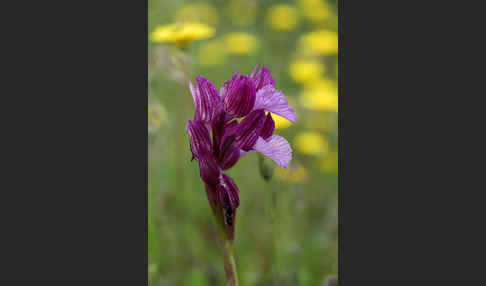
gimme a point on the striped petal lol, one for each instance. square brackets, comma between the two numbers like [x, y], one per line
[263, 78]
[206, 99]
[274, 100]
[239, 96]
[249, 129]
[276, 148]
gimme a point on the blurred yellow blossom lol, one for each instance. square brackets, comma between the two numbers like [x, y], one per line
[305, 70]
[182, 33]
[330, 162]
[198, 12]
[240, 43]
[242, 13]
[295, 173]
[311, 143]
[319, 42]
[316, 10]
[280, 122]
[321, 95]
[211, 53]
[282, 17]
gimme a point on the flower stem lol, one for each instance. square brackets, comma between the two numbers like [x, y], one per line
[228, 257]
[229, 263]
[271, 213]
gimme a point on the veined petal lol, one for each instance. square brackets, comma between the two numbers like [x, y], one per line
[274, 100]
[263, 78]
[217, 129]
[199, 139]
[276, 148]
[228, 199]
[229, 131]
[239, 96]
[230, 153]
[195, 94]
[209, 170]
[224, 88]
[229, 195]
[249, 129]
[252, 75]
[207, 100]
[268, 127]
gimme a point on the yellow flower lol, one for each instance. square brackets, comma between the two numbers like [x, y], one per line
[305, 71]
[198, 12]
[182, 33]
[282, 17]
[319, 42]
[211, 53]
[240, 43]
[296, 174]
[311, 143]
[280, 122]
[321, 95]
[316, 10]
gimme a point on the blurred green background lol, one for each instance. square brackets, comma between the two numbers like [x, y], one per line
[287, 229]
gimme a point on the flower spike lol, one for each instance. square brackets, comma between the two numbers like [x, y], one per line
[218, 139]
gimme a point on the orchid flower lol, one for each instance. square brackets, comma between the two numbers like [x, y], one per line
[218, 138]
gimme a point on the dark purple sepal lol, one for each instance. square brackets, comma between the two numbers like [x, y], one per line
[268, 127]
[200, 141]
[229, 200]
[239, 96]
[217, 129]
[230, 153]
[209, 170]
[229, 130]
[226, 85]
[249, 129]
[263, 78]
[208, 102]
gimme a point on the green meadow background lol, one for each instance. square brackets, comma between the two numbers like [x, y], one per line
[286, 229]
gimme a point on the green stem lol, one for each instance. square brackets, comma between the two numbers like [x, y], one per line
[228, 257]
[270, 210]
[271, 213]
[229, 263]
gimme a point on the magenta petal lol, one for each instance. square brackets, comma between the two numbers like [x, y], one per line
[209, 170]
[230, 155]
[239, 96]
[226, 85]
[228, 195]
[249, 129]
[217, 129]
[275, 148]
[200, 141]
[195, 95]
[274, 100]
[229, 130]
[252, 75]
[207, 100]
[268, 127]
[228, 200]
[264, 78]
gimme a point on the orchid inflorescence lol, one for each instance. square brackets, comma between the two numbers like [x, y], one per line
[231, 123]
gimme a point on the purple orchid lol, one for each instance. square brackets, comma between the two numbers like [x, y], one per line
[218, 140]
